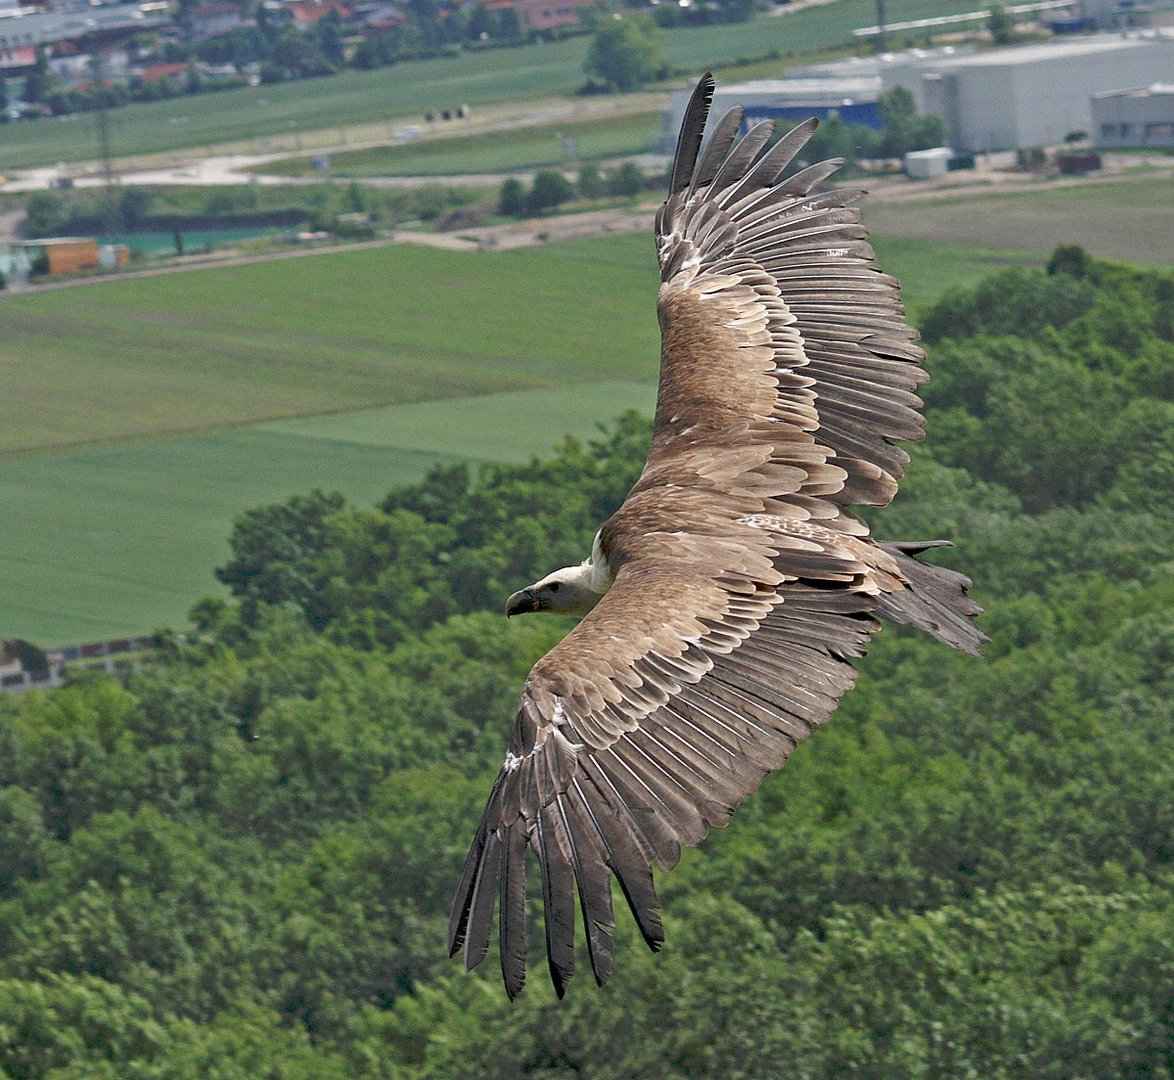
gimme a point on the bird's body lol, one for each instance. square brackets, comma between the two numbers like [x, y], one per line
[723, 601]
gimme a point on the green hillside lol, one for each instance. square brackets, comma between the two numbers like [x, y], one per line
[238, 863]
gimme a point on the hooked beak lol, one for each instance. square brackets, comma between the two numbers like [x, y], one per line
[521, 602]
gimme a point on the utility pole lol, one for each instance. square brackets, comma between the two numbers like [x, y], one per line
[880, 25]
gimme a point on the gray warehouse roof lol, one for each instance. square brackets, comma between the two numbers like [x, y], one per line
[1154, 90]
[44, 27]
[1044, 52]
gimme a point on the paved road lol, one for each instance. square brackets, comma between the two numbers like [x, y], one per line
[236, 167]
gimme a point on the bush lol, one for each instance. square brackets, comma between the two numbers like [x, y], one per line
[550, 189]
[626, 180]
[591, 184]
[511, 200]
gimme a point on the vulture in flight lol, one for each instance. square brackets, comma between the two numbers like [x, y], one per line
[723, 603]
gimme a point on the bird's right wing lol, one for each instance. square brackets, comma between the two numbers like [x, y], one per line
[644, 727]
[730, 214]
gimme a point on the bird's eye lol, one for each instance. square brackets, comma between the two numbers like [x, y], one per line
[553, 586]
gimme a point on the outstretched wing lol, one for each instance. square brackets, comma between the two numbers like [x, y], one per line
[742, 587]
[731, 209]
[611, 790]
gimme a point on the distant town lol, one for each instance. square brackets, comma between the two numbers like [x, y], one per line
[63, 56]
[1045, 88]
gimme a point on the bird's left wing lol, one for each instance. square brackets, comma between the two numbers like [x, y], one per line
[648, 724]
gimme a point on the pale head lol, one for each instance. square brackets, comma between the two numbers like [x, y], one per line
[572, 590]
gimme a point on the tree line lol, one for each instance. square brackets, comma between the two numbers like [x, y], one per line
[902, 129]
[238, 862]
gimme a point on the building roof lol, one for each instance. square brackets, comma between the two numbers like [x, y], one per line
[21, 56]
[308, 13]
[161, 71]
[43, 27]
[53, 241]
[1043, 52]
[876, 64]
[828, 90]
[1153, 90]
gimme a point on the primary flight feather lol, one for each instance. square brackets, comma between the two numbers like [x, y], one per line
[723, 602]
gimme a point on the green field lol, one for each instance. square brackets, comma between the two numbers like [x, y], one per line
[222, 347]
[184, 352]
[499, 151]
[512, 426]
[120, 540]
[280, 109]
[350, 371]
[408, 89]
[1130, 219]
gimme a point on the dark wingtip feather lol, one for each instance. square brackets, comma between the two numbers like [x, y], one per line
[512, 941]
[692, 129]
[558, 896]
[934, 599]
[479, 920]
[458, 919]
[588, 856]
[717, 148]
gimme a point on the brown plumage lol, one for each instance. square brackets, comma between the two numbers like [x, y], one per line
[726, 598]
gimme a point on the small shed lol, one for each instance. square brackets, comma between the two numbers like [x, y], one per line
[65, 254]
[927, 164]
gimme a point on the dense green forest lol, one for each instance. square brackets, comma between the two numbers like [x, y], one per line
[237, 864]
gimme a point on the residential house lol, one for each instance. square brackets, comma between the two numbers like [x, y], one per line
[212, 20]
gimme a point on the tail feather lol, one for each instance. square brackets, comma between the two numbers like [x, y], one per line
[934, 600]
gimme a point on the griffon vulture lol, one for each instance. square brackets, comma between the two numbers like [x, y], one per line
[722, 604]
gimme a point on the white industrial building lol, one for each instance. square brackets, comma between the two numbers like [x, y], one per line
[1032, 95]
[848, 88]
[28, 27]
[1000, 99]
[1134, 119]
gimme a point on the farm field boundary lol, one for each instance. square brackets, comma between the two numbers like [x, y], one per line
[1128, 218]
[524, 147]
[118, 539]
[508, 352]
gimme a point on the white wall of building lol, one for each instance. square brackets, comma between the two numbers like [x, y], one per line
[1133, 119]
[1033, 95]
[1000, 99]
